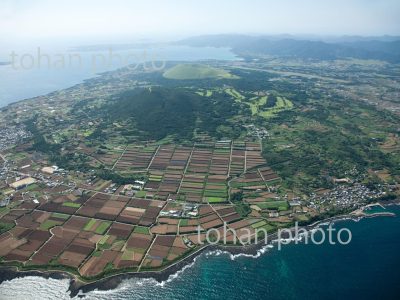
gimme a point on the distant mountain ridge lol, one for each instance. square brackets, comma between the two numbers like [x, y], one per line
[380, 48]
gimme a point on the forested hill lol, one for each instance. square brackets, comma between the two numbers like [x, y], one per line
[159, 112]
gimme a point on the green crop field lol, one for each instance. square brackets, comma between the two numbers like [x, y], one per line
[259, 224]
[127, 255]
[104, 239]
[102, 228]
[183, 222]
[89, 225]
[267, 227]
[216, 199]
[140, 229]
[71, 204]
[60, 216]
[215, 194]
[5, 227]
[49, 224]
[246, 184]
[280, 205]
[140, 194]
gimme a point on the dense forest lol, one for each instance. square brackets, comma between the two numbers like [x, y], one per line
[160, 112]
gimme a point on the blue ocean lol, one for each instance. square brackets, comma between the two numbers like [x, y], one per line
[367, 268]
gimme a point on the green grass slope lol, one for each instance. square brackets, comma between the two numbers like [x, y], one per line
[196, 71]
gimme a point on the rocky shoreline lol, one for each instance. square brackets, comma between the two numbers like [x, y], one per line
[113, 281]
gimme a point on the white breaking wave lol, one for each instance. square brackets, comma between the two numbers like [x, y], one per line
[39, 288]
[179, 272]
[35, 288]
[259, 252]
[128, 284]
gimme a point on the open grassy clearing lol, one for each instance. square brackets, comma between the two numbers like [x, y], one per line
[275, 205]
[264, 106]
[205, 93]
[260, 106]
[255, 105]
[196, 71]
[281, 104]
[235, 94]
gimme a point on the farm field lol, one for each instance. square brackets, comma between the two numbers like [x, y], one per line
[186, 189]
[195, 174]
[131, 179]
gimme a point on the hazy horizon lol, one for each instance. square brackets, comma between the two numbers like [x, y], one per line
[105, 20]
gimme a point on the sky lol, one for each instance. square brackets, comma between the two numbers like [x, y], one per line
[45, 19]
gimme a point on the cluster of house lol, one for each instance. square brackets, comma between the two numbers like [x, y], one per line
[258, 132]
[130, 189]
[345, 196]
[11, 135]
[24, 177]
[187, 210]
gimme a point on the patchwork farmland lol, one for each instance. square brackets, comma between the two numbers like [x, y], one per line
[195, 174]
[186, 192]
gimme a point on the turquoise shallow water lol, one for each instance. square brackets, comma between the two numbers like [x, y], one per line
[367, 268]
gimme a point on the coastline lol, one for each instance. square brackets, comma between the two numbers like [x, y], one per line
[226, 54]
[114, 280]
